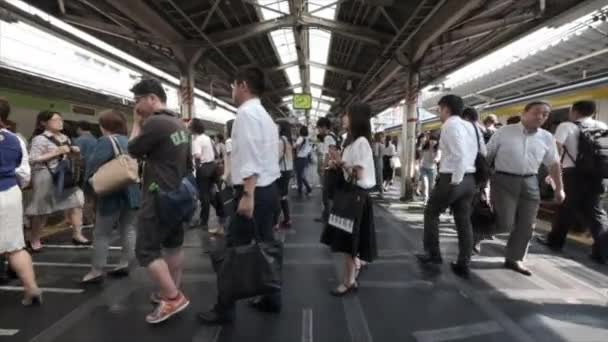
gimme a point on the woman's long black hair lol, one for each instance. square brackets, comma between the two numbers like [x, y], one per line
[359, 115]
[42, 117]
[285, 131]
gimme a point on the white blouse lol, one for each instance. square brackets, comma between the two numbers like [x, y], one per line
[359, 153]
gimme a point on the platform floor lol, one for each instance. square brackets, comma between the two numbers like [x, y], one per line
[565, 300]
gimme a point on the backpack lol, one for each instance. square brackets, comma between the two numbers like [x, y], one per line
[592, 158]
[337, 139]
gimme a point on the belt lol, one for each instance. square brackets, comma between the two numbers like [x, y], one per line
[516, 175]
[450, 174]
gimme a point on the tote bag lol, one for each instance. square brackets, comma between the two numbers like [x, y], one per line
[249, 270]
[116, 174]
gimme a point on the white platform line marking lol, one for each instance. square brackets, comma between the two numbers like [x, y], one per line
[112, 248]
[8, 332]
[458, 332]
[67, 264]
[44, 289]
[307, 325]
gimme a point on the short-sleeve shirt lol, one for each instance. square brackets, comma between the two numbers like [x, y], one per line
[328, 141]
[519, 152]
[202, 148]
[164, 145]
[255, 145]
[567, 134]
[41, 145]
[360, 154]
[303, 147]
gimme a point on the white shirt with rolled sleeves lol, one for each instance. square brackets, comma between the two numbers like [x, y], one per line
[519, 152]
[360, 154]
[328, 141]
[458, 145]
[567, 134]
[255, 145]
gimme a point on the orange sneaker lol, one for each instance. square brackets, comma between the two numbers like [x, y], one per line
[167, 308]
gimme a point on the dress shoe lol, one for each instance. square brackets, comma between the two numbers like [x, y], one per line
[212, 317]
[427, 259]
[348, 289]
[544, 240]
[517, 266]
[460, 269]
[119, 272]
[263, 306]
[81, 243]
[477, 248]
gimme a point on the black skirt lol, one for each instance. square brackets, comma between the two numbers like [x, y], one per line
[362, 242]
[387, 171]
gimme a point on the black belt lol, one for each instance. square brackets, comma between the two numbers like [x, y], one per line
[450, 175]
[516, 175]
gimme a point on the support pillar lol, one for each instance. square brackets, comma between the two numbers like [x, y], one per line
[186, 60]
[408, 136]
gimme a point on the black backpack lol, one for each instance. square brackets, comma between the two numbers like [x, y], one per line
[592, 158]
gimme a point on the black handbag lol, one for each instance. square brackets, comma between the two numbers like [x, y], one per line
[347, 208]
[483, 218]
[226, 198]
[250, 270]
[69, 170]
[482, 167]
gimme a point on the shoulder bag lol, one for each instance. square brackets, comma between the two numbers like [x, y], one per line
[250, 270]
[117, 173]
[68, 172]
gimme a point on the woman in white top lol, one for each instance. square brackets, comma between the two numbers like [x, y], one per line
[390, 150]
[429, 157]
[286, 167]
[357, 161]
[303, 154]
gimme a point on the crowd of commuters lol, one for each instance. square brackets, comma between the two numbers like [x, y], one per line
[257, 159]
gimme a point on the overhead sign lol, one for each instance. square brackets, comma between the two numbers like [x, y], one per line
[302, 101]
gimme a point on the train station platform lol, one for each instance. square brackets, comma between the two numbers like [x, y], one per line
[565, 300]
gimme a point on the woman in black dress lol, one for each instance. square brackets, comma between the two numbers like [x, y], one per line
[357, 163]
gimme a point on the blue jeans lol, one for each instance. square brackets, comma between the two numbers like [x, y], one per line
[300, 165]
[427, 176]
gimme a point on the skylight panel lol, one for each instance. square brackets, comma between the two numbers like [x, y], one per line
[293, 74]
[328, 98]
[315, 92]
[327, 13]
[284, 42]
[297, 90]
[317, 75]
[324, 107]
[319, 45]
[276, 5]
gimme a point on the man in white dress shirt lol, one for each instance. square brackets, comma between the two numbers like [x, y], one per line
[583, 193]
[254, 170]
[518, 151]
[455, 188]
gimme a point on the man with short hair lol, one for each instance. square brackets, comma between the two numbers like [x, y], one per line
[583, 193]
[254, 171]
[518, 151]
[163, 142]
[328, 146]
[459, 145]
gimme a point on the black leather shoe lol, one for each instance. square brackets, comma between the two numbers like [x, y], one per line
[212, 317]
[263, 306]
[543, 240]
[427, 259]
[119, 272]
[461, 270]
[517, 266]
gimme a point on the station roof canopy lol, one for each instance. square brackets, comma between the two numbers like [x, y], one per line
[338, 50]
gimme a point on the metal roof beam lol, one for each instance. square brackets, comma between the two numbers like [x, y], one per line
[487, 27]
[337, 70]
[109, 29]
[244, 32]
[147, 18]
[447, 16]
[354, 32]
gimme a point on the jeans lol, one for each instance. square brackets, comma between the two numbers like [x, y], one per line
[459, 198]
[428, 178]
[124, 220]
[266, 203]
[300, 166]
[582, 205]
